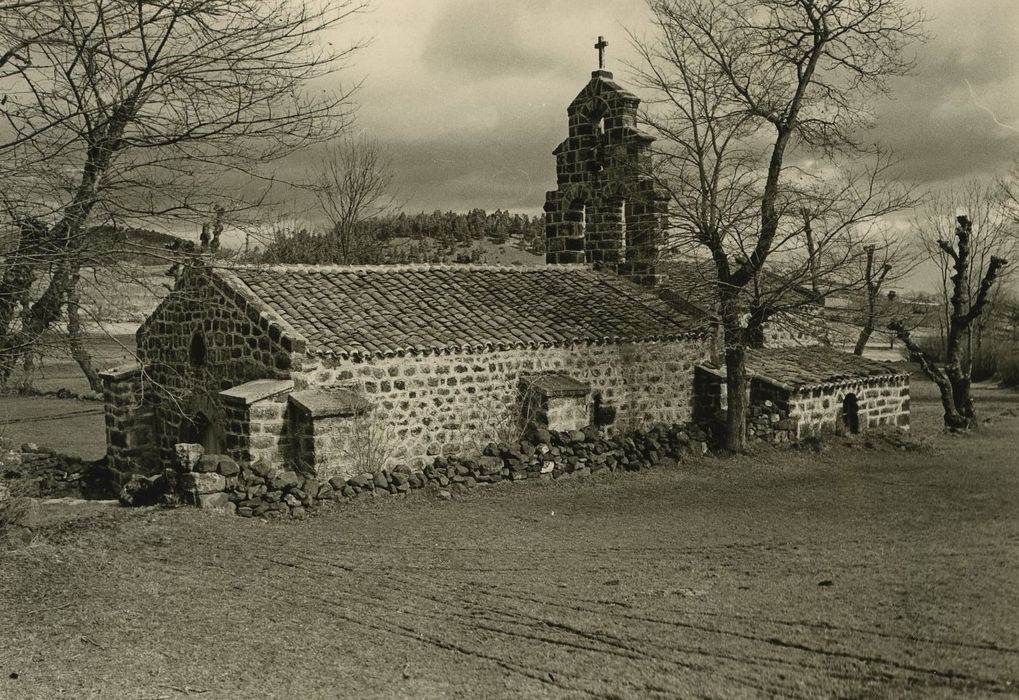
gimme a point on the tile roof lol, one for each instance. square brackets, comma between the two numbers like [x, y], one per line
[694, 282]
[393, 310]
[802, 368]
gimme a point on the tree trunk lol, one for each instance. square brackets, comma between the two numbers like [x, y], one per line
[962, 397]
[74, 338]
[737, 389]
[953, 419]
[861, 342]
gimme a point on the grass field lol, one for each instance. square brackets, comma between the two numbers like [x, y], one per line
[855, 571]
[70, 426]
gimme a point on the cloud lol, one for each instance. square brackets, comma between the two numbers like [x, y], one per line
[485, 40]
[956, 116]
[470, 96]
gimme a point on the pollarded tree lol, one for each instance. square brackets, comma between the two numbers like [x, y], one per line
[966, 307]
[139, 110]
[993, 232]
[749, 91]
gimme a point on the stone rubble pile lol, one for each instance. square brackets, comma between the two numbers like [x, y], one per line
[218, 482]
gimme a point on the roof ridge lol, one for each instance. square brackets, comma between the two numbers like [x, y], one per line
[637, 295]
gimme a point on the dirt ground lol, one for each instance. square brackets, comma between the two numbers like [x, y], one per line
[857, 571]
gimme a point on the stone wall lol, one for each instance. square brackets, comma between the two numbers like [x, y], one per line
[779, 413]
[257, 421]
[768, 416]
[769, 422]
[444, 404]
[205, 338]
[568, 413]
[130, 420]
[880, 402]
[260, 490]
[337, 433]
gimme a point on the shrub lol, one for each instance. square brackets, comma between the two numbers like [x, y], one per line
[985, 361]
[994, 358]
[371, 445]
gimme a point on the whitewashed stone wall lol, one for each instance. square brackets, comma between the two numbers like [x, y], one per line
[448, 403]
[569, 413]
[880, 402]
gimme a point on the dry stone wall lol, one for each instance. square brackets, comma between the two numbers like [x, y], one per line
[768, 415]
[217, 482]
[431, 405]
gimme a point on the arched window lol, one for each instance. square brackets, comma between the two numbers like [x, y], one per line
[197, 352]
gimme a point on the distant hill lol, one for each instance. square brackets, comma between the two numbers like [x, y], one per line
[475, 236]
[109, 245]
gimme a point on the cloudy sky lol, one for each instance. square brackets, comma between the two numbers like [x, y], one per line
[469, 96]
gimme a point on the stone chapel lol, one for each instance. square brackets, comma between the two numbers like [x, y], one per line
[301, 365]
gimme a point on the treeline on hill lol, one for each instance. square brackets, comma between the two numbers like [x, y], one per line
[407, 238]
[109, 244]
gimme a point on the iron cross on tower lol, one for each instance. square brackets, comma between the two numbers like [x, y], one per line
[601, 51]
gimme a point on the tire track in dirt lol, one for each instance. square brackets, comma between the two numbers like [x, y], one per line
[629, 649]
[991, 685]
[617, 648]
[446, 612]
[467, 609]
[976, 646]
[288, 591]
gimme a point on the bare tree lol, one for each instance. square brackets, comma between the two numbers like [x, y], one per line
[132, 111]
[885, 263]
[354, 186]
[742, 84]
[953, 379]
[992, 232]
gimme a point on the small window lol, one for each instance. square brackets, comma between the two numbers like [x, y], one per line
[198, 352]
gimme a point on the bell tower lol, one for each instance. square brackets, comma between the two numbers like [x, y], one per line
[605, 208]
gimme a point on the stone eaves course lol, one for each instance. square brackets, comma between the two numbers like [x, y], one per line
[361, 312]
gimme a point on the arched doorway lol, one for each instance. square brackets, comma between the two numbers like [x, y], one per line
[851, 414]
[204, 431]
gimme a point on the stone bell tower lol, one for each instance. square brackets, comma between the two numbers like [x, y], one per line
[605, 208]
